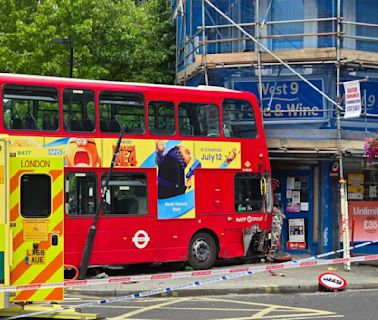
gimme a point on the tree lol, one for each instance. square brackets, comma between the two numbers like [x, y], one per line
[112, 39]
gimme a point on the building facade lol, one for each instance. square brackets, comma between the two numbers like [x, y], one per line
[328, 42]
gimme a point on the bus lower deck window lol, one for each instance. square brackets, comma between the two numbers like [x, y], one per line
[81, 193]
[247, 192]
[126, 194]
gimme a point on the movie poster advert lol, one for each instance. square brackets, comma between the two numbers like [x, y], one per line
[176, 162]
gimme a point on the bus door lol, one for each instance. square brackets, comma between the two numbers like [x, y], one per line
[36, 221]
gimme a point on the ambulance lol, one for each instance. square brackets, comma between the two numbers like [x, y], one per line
[31, 229]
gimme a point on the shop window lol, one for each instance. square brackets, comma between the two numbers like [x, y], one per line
[238, 119]
[161, 118]
[119, 109]
[80, 191]
[126, 194]
[35, 204]
[30, 108]
[79, 110]
[197, 119]
[247, 193]
[363, 185]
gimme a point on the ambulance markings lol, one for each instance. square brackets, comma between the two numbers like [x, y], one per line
[42, 277]
[14, 212]
[14, 181]
[57, 201]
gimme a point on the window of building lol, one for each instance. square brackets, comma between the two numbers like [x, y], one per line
[238, 119]
[196, 119]
[280, 12]
[30, 108]
[126, 194]
[161, 118]
[240, 11]
[366, 13]
[247, 193]
[80, 192]
[79, 110]
[35, 204]
[122, 108]
[326, 9]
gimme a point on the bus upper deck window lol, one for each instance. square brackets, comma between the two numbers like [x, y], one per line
[35, 204]
[196, 119]
[238, 119]
[118, 108]
[79, 110]
[161, 118]
[30, 108]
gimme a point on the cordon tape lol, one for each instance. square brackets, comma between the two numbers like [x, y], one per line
[226, 274]
[190, 274]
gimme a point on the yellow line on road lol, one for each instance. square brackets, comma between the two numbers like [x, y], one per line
[141, 310]
[261, 314]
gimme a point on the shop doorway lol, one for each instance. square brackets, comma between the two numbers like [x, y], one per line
[293, 194]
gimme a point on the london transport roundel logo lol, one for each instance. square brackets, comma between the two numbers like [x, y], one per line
[332, 281]
[141, 239]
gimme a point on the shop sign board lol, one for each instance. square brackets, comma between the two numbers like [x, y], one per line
[287, 99]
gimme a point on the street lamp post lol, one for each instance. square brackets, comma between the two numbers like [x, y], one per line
[67, 41]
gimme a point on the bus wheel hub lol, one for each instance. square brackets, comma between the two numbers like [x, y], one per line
[201, 250]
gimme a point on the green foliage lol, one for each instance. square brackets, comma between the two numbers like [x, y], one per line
[112, 39]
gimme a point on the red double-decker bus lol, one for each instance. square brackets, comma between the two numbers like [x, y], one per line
[191, 181]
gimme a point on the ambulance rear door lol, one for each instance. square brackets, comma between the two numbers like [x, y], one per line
[36, 219]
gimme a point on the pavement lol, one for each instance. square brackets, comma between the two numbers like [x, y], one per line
[363, 275]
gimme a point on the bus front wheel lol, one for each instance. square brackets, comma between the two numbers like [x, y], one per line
[202, 251]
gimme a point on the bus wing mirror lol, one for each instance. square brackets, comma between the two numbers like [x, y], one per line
[263, 186]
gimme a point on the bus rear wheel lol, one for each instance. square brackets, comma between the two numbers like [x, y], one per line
[202, 251]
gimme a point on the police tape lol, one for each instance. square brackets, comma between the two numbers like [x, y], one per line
[311, 261]
[245, 272]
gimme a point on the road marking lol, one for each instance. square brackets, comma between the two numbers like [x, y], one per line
[265, 311]
[145, 309]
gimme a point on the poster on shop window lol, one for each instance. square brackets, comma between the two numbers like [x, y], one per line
[297, 197]
[297, 234]
[363, 220]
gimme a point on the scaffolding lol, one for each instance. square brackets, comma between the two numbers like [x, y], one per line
[234, 52]
[325, 40]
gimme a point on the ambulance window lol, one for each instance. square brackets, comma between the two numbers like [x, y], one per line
[35, 195]
[80, 193]
[248, 196]
[126, 194]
